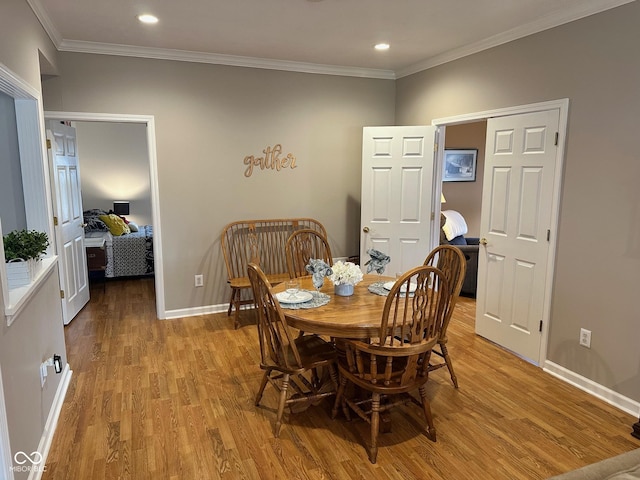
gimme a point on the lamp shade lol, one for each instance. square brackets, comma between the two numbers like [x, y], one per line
[121, 207]
[442, 200]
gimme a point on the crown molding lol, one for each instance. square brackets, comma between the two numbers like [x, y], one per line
[221, 59]
[583, 10]
[45, 21]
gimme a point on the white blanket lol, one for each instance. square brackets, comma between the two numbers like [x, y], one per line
[454, 225]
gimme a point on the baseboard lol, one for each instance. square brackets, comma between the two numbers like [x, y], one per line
[52, 421]
[612, 398]
[194, 311]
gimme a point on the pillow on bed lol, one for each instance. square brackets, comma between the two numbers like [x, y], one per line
[133, 226]
[116, 225]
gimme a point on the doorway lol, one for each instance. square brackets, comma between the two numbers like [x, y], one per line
[562, 107]
[149, 122]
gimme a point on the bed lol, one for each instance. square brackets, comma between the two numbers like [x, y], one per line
[128, 254]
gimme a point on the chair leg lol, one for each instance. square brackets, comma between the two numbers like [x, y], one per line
[426, 406]
[263, 384]
[283, 400]
[233, 294]
[447, 359]
[340, 400]
[333, 373]
[234, 302]
[375, 426]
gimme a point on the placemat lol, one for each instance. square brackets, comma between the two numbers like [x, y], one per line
[378, 289]
[319, 299]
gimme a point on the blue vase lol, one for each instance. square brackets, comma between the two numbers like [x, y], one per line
[344, 289]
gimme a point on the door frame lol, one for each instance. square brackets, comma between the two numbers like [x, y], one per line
[563, 106]
[149, 121]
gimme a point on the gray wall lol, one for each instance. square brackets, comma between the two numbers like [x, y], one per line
[208, 119]
[12, 210]
[595, 63]
[37, 332]
[114, 165]
[35, 335]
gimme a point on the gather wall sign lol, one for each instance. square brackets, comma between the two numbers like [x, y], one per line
[272, 160]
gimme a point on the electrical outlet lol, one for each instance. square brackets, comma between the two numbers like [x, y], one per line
[199, 280]
[585, 337]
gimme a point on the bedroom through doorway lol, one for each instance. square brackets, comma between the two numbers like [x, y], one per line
[117, 169]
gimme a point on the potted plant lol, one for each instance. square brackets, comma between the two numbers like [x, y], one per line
[22, 251]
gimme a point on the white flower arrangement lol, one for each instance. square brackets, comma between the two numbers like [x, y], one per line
[345, 273]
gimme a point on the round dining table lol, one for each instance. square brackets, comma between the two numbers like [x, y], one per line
[357, 316]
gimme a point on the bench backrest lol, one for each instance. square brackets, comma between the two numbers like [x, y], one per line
[261, 242]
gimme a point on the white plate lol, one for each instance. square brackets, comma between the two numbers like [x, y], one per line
[403, 289]
[300, 297]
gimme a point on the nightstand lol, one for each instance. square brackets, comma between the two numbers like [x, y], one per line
[96, 257]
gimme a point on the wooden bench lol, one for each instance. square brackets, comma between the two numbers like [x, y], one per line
[261, 242]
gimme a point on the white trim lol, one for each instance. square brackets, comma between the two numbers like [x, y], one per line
[31, 143]
[5, 445]
[195, 311]
[52, 420]
[221, 59]
[149, 120]
[45, 21]
[625, 404]
[18, 297]
[563, 106]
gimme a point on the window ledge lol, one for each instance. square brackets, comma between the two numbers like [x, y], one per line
[19, 297]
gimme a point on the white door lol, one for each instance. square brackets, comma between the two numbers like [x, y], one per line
[397, 194]
[517, 199]
[67, 203]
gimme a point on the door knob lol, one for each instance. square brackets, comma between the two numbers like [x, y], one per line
[83, 225]
[365, 229]
[483, 241]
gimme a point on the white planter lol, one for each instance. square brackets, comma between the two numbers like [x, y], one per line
[21, 272]
[344, 289]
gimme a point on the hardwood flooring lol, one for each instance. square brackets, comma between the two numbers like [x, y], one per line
[173, 399]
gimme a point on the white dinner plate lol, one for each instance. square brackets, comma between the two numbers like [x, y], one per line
[403, 289]
[300, 297]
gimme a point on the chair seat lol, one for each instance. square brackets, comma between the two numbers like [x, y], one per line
[314, 350]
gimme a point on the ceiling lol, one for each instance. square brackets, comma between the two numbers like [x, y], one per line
[318, 36]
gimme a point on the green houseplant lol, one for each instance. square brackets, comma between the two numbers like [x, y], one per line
[25, 245]
[22, 250]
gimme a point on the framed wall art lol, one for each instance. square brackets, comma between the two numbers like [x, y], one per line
[459, 165]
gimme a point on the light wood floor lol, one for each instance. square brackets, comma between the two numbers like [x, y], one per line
[173, 399]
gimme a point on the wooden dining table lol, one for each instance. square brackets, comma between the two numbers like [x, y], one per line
[357, 316]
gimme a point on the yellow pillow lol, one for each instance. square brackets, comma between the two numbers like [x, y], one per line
[116, 225]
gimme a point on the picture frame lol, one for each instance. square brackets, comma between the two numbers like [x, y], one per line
[459, 165]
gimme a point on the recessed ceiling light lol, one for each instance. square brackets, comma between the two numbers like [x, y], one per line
[382, 46]
[146, 18]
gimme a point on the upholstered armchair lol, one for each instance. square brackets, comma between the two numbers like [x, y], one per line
[453, 229]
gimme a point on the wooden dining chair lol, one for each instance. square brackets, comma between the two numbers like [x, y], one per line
[285, 358]
[452, 262]
[396, 363]
[303, 245]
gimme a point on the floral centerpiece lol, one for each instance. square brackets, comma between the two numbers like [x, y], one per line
[344, 276]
